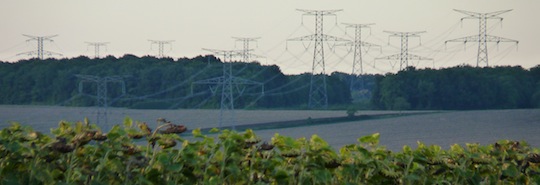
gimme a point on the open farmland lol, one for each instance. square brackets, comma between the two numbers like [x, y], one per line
[44, 117]
[444, 129]
[441, 128]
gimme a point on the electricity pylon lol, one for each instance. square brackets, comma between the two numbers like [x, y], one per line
[246, 54]
[40, 52]
[227, 81]
[161, 44]
[318, 97]
[97, 45]
[102, 95]
[404, 56]
[357, 43]
[482, 38]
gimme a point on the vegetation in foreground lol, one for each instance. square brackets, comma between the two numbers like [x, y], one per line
[133, 153]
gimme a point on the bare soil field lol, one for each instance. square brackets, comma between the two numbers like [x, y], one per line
[441, 128]
[44, 117]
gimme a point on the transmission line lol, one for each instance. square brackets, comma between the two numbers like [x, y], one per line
[40, 51]
[357, 65]
[318, 97]
[482, 38]
[226, 82]
[404, 56]
[161, 44]
[102, 93]
[96, 46]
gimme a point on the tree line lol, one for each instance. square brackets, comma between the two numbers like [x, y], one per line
[166, 83]
[156, 83]
[459, 88]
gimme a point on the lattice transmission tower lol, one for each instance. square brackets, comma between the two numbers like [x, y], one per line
[357, 65]
[96, 46]
[404, 56]
[318, 97]
[161, 44]
[40, 51]
[482, 38]
[102, 93]
[228, 84]
[246, 50]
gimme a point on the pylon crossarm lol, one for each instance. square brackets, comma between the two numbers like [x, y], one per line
[51, 53]
[334, 38]
[358, 25]
[396, 33]
[160, 41]
[490, 38]
[303, 38]
[27, 53]
[225, 52]
[217, 80]
[390, 57]
[370, 44]
[416, 57]
[246, 38]
[473, 38]
[44, 37]
[256, 56]
[488, 15]
[322, 12]
[237, 80]
[494, 14]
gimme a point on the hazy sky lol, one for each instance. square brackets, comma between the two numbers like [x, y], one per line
[128, 24]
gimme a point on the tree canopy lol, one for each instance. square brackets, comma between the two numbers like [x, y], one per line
[168, 83]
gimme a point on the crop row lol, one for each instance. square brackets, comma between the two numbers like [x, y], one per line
[134, 153]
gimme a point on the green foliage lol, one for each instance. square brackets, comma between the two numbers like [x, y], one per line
[458, 88]
[133, 153]
[154, 83]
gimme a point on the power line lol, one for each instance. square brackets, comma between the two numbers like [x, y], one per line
[102, 93]
[482, 38]
[161, 45]
[357, 65]
[40, 52]
[227, 81]
[318, 97]
[246, 55]
[96, 46]
[404, 56]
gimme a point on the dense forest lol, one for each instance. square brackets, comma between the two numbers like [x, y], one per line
[156, 83]
[459, 88]
[149, 82]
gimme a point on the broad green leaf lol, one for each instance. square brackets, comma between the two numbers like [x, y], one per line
[128, 122]
[371, 139]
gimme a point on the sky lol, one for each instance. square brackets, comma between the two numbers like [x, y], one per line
[128, 25]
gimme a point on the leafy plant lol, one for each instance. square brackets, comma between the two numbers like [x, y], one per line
[135, 153]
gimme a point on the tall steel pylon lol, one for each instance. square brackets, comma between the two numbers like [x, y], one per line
[161, 45]
[357, 65]
[246, 54]
[40, 52]
[404, 56]
[227, 82]
[96, 46]
[482, 38]
[318, 97]
[102, 95]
